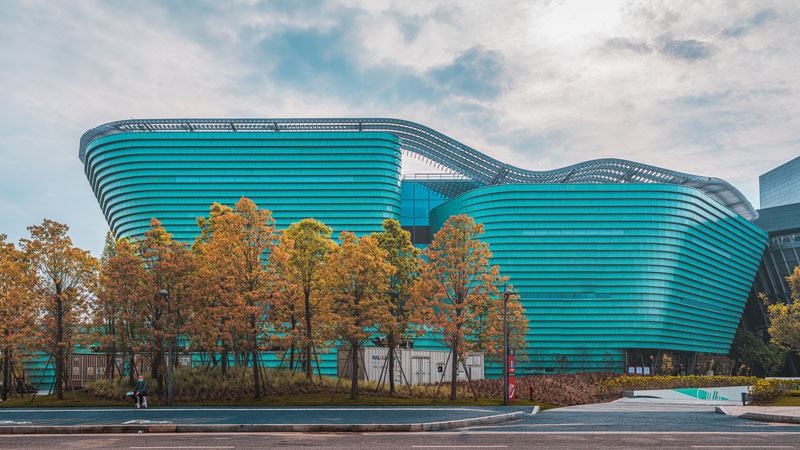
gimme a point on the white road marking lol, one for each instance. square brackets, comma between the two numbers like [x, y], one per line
[561, 432]
[15, 422]
[427, 434]
[230, 446]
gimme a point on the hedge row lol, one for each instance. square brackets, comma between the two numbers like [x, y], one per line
[767, 390]
[673, 382]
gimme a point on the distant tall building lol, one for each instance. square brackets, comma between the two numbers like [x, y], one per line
[781, 185]
[783, 250]
[779, 216]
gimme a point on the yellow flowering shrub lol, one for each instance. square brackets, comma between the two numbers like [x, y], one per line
[672, 382]
[766, 390]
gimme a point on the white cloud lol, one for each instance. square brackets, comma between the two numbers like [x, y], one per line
[702, 87]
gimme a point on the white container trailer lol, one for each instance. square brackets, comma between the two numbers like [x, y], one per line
[411, 366]
[440, 364]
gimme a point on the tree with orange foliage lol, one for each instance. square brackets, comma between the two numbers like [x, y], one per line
[118, 324]
[403, 322]
[305, 245]
[489, 329]
[213, 328]
[458, 292]
[169, 266]
[16, 307]
[356, 279]
[65, 276]
[106, 311]
[235, 257]
[286, 305]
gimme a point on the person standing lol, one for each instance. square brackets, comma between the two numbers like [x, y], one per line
[140, 393]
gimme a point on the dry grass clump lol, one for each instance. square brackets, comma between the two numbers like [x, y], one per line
[193, 384]
[198, 384]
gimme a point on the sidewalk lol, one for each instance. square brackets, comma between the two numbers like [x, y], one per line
[252, 419]
[783, 414]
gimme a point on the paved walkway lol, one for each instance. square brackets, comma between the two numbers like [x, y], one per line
[785, 414]
[253, 418]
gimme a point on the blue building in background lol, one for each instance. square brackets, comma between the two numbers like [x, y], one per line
[612, 259]
[779, 216]
[781, 185]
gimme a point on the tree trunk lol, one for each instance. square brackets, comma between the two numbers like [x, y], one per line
[391, 364]
[224, 359]
[111, 359]
[6, 378]
[354, 373]
[256, 377]
[291, 348]
[453, 373]
[59, 344]
[158, 359]
[131, 368]
[307, 362]
[212, 360]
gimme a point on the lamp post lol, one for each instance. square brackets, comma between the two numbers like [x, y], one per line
[165, 293]
[506, 293]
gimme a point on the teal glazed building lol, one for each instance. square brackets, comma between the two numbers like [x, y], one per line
[613, 260]
[608, 271]
[350, 181]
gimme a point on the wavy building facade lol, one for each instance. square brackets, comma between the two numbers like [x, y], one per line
[350, 181]
[611, 258]
[605, 270]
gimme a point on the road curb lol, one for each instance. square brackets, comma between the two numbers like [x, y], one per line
[762, 417]
[266, 428]
[770, 417]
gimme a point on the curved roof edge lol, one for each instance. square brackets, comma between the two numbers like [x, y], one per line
[447, 152]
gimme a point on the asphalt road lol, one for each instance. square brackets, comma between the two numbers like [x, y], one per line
[441, 440]
[621, 416]
[613, 425]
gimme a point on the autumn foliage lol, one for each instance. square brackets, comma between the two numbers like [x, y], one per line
[244, 291]
[356, 280]
[234, 274]
[303, 248]
[458, 292]
[17, 315]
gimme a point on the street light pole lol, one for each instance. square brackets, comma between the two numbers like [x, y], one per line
[165, 293]
[507, 293]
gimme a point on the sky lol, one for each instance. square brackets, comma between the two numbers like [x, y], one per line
[706, 87]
